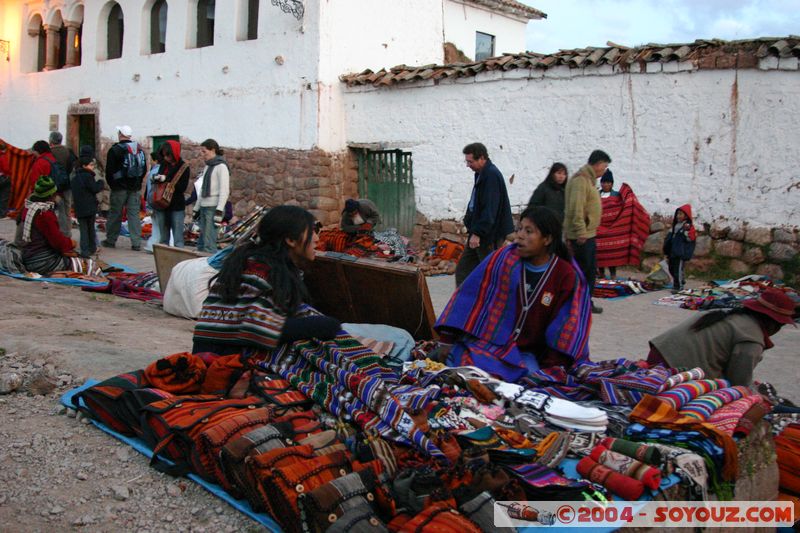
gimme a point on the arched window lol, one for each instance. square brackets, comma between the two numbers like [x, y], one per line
[205, 22]
[158, 27]
[116, 29]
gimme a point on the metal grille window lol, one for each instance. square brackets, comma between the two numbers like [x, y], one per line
[484, 46]
[386, 178]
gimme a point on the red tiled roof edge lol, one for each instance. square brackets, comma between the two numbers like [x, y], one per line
[511, 7]
[704, 54]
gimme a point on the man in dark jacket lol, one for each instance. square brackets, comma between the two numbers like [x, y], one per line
[126, 166]
[488, 219]
[66, 158]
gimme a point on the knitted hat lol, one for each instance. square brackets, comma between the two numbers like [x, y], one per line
[608, 176]
[351, 205]
[85, 160]
[86, 150]
[45, 187]
[775, 304]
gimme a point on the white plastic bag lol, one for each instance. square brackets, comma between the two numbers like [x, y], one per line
[187, 287]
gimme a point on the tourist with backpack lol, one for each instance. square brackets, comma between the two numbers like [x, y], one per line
[66, 158]
[126, 166]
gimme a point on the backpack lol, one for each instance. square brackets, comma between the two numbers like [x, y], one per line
[59, 176]
[134, 164]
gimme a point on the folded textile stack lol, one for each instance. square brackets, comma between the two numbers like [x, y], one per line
[618, 288]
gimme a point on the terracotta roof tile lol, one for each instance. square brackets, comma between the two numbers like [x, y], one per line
[510, 7]
[703, 53]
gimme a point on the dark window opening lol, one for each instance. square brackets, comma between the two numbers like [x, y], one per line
[205, 23]
[484, 46]
[252, 19]
[116, 30]
[41, 49]
[158, 27]
[62, 47]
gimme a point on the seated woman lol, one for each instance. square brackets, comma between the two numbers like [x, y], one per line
[44, 248]
[359, 215]
[726, 343]
[524, 308]
[257, 301]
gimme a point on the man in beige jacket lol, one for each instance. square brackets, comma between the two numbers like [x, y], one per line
[582, 215]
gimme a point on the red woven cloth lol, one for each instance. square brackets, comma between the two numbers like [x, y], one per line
[624, 227]
[20, 162]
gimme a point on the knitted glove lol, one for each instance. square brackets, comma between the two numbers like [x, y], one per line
[319, 327]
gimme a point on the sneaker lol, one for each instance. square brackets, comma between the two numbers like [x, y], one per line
[136, 248]
[596, 309]
[107, 244]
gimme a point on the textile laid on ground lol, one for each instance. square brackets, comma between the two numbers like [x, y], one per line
[619, 288]
[141, 286]
[624, 228]
[20, 162]
[725, 295]
[706, 405]
[683, 393]
[615, 382]
[731, 419]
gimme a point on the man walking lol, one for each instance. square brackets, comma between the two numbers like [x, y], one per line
[126, 166]
[488, 218]
[66, 159]
[582, 215]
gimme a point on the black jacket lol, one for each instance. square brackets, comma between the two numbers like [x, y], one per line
[490, 216]
[85, 187]
[549, 195]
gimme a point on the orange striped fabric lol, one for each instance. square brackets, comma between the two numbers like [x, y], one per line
[20, 162]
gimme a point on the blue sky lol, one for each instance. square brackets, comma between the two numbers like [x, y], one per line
[580, 23]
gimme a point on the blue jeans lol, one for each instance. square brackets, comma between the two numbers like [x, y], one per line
[169, 220]
[208, 230]
[132, 200]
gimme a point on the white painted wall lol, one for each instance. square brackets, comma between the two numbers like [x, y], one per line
[672, 136]
[375, 34]
[462, 20]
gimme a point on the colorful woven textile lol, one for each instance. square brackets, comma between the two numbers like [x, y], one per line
[615, 381]
[752, 416]
[20, 162]
[682, 377]
[485, 308]
[624, 228]
[655, 412]
[628, 466]
[541, 482]
[635, 450]
[679, 396]
[787, 446]
[704, 406]
[727, 418]
[354, 383]
[627, 487]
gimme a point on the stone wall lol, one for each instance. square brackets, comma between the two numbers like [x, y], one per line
[314, 179]
[726, 249]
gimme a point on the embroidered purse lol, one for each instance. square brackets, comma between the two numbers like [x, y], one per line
[172, 426]
[285, 484]
[328, 503]
[205, 455]
[258, 468]
[235, 452]
[278, 391]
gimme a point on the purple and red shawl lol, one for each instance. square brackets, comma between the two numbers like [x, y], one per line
[484, 310]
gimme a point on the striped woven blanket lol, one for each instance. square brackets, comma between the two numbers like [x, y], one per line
[624, 227]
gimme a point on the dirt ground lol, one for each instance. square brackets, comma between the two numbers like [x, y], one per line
[58, 473]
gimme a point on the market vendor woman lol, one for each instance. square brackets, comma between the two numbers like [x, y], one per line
[258, 299]
[524, 308]
[726, 343]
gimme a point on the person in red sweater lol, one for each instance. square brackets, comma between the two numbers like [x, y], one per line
[41, 163]
[44, 248]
